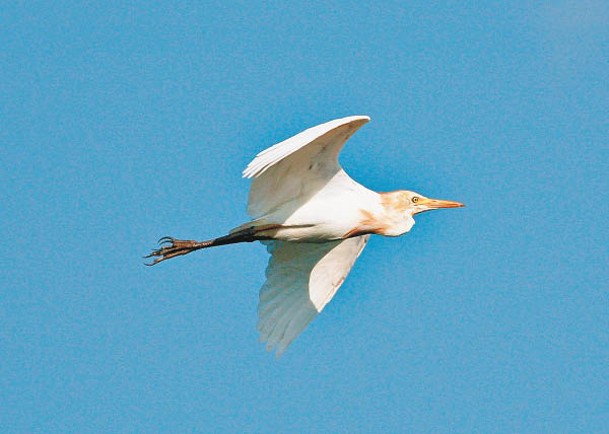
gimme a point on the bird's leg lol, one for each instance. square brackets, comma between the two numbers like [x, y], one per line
[170, 247]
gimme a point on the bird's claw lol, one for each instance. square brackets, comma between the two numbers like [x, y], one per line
[170, 248]
[165, 240]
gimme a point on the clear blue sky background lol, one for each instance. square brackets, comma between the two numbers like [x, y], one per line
[121, 122]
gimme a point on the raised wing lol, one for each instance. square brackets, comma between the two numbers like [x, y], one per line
[301, 279]
[299, 166]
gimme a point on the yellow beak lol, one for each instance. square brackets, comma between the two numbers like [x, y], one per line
[438, 204]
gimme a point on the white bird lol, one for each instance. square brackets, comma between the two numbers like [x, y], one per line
[315, 221]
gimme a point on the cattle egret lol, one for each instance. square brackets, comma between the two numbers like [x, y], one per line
[314, 220]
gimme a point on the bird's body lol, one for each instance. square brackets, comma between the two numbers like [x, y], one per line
[328, 215]
[315, 221]
[332, 215]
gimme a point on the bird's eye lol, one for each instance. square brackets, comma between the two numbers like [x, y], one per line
[415, 199]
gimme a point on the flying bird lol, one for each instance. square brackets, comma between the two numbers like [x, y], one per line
[314, 220]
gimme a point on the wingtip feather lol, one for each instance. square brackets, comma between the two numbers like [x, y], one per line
[268, 157]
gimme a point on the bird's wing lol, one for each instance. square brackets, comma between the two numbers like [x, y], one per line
[301, 279]
[299, 166]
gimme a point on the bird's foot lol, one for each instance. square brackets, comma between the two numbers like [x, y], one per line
[170, 248]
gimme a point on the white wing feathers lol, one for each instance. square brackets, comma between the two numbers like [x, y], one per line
[299, 166]
[301, 279]
[275, 153]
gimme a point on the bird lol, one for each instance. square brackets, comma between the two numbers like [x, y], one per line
[314, 220]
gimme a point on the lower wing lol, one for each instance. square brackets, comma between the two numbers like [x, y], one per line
[301, 279]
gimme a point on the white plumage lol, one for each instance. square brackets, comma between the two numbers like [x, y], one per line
[302, 277]
[315, 221]
[290, 173]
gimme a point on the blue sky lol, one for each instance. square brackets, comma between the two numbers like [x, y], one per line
[121, 122]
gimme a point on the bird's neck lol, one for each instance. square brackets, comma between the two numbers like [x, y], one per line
[395, 217]
[387, 215]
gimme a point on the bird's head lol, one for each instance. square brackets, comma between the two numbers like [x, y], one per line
[400, 207]
[412, 203]
[416, 203]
